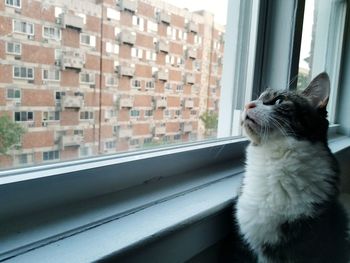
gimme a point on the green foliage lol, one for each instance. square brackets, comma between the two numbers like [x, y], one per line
[210, 120]
[303, 81]
[10, 134]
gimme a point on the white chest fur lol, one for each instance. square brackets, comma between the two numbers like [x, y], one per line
[281, 182]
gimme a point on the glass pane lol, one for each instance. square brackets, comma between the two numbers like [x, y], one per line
[162, 64]
[321, 45]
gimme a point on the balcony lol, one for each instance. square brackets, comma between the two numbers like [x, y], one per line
[126, 103]
[191, 53]
[190, 79]
[72, 21]
[160, 130]
[189, 104]
[71, 140]
[187, 127]
[72, 59]
[192, 27]
[161, 103]
[127, 37]
[163, 46]
[163, 17]
[72, 102]
[162, 75]
[125, 71]
[125, 133]
[127, 5]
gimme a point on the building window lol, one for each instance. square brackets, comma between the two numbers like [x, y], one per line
[23, 72]
[148, 140]
[134, 142]
[87, 78]
[24, 116]
[150, 85]
[85, 151]
[112, 48]
[13, 48]
[23, 159]
[78, 132]
[179, 87]
[86, 115]
[13, 3]
[152, 27]
[135, 84]
[51, 116]
[168, 86]
[178, 113]
[138, 22]
[13, 93]
[51, 33]
[148, 113]
[110, 145]
[135, 113]
[167, 113]
[151, 55]
[88, 40]
[51, 74]
[51, 155]
[136, 53]
[177, 137]
[23, 27]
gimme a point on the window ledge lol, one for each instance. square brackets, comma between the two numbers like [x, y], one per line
[159, 208]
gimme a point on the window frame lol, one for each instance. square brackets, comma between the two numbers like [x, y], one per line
[14, 53]
[12, 5]
[78, 178]
[55, 29]
[20, 70]
[14, 20]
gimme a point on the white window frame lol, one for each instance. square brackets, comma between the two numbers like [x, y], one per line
[91, 78]
[18, 90]
[88, 115]
[7, 3]
[14, 44]
[83, 180]
[90, 43]
[51, 75]
[27, 25]
[55, 153]
[54, 35]
[26, 113]
[20, 71]
[52, 116]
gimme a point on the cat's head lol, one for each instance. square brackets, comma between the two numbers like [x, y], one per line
[281, 113]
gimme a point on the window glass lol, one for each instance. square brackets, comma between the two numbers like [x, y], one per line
[87, 94]
[321, 45]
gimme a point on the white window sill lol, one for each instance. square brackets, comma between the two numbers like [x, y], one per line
[158, 208]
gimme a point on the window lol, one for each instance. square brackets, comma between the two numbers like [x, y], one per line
[151, 55]
[23, 27]
[87, 78]
[135, 84]
[51, 74]
[152, 27]
[86, 115]
[134, 142]
[88, 40]
[139, 22]
[51, 116]
[24, 159]
[13, 48]
[150, 85]
[136, 53]
[134, 113]
[112, 48]
[85, 151]
[13, 93]
[51, 155]
[23, 72]
[23, 116]
[13, 3]
[78, 132]
[51, 33]
[148, 113]
[110, 145]
[179, 87]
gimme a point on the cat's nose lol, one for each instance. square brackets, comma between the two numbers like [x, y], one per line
[250, 105]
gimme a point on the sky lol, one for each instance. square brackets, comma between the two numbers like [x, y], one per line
[217, 7]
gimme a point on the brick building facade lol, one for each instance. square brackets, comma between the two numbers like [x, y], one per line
[90, 77]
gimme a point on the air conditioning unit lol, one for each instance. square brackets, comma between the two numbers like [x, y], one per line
[58, 20]
[31, 37]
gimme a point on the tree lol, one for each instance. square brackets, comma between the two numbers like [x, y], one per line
[210, 120]
[10, 134]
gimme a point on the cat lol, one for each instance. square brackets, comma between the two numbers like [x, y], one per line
[288, 211]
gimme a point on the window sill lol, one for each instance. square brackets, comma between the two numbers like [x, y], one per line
[158, 208]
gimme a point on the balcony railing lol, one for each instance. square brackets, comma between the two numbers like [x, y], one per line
[163, 46]
[72, 21]
[72, 102]
[163, 17]
[72, 59]
[71, 140]
[127, 5]
[161, 103]
[162, 75]
[125, 133]
[127, 37]
[126, 103]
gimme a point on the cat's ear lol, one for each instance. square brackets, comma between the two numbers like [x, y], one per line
[318, 91]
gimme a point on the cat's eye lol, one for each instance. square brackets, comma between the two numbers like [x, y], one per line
[278, 100]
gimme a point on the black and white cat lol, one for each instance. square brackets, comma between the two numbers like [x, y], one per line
[288, 211]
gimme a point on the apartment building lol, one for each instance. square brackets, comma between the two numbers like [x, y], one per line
[102, 76]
